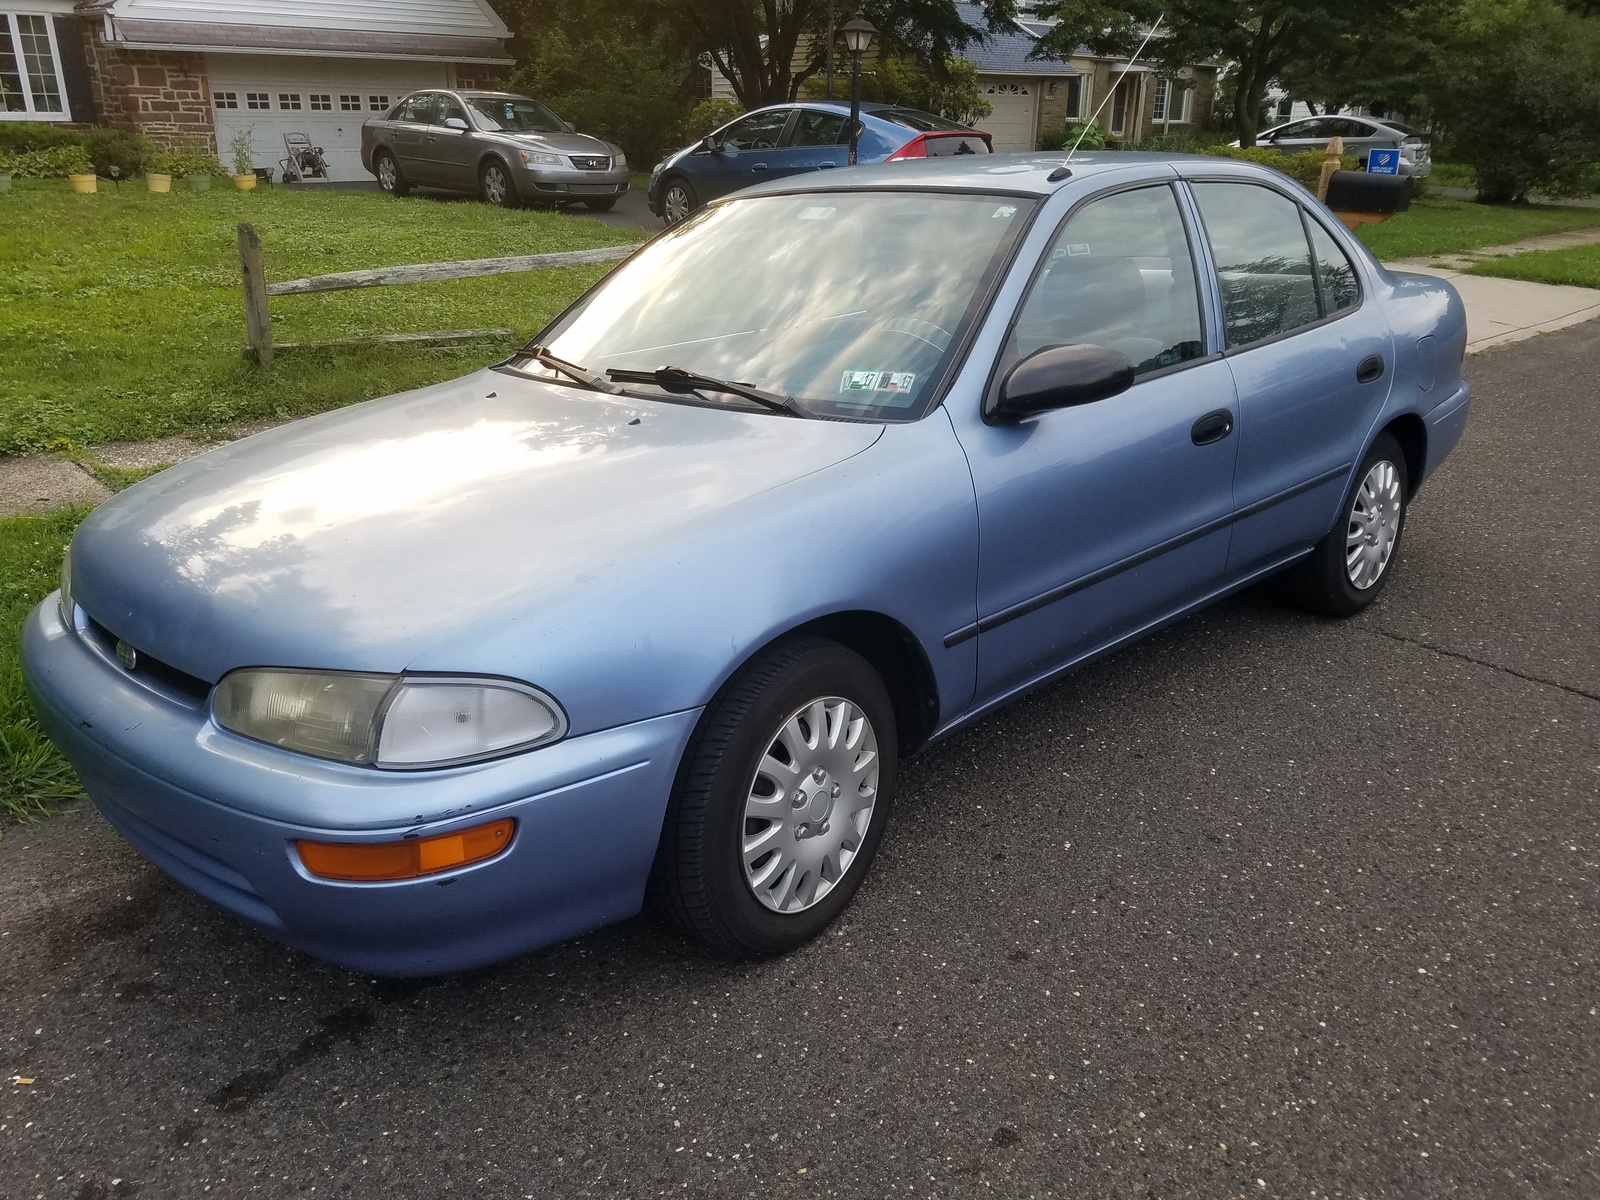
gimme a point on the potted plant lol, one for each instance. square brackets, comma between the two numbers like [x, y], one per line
[197, 165]
[244, 170]
[158, 177]
[5, 174]
[81, 173]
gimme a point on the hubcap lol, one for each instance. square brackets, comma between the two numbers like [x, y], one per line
[386, 174]
[677, 205]
[810, 804]
[1374, 525]
[494, 183]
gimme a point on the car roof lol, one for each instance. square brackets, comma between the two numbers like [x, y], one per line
[1017, 174]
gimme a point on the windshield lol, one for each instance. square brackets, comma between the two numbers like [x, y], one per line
[853, 303]
[517, 114]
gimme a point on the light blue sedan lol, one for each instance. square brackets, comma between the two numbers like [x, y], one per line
[657, 606]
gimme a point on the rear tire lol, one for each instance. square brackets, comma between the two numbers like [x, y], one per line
[1356, 560]
[780, 802]
[601, 203]
[496, 186]
[390, 179]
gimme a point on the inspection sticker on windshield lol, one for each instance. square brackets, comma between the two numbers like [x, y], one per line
[877, 381]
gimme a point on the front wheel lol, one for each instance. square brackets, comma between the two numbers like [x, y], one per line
[1351, 565]
[780, 803]
[496, 186]
[677, 202]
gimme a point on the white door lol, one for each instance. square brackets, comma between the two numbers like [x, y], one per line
[326, 99]
[1011, 125]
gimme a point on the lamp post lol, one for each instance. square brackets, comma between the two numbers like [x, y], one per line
[857, 37]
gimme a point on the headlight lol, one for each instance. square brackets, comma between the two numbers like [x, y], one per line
[535, 158]
[620, 162]
[387, 720]
[66, 587]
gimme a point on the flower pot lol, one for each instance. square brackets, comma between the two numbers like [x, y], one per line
[245, 183]
[83, 184]
[5, 181]
[199, 183]
[158, 181]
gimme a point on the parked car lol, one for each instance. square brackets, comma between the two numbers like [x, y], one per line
[790, 139]
[1360, 135]
[510, 149]
[659, 605]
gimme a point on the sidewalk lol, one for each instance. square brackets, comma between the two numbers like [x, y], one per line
[1498, 311]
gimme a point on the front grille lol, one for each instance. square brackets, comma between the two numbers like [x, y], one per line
[148, 670]
[590, 162]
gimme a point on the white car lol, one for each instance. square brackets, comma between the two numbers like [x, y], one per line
[1360, 135]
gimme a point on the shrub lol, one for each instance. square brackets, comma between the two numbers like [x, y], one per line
[55, 163]
[128, 152]
[23, 137]
[709, 115]
[196, 160]
[1304, 168]
[1092, 135]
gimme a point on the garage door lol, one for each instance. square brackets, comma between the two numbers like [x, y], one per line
[326, 99]
[1012, 122]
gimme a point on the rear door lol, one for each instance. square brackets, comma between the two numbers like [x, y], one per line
[1311, 357]
[816, 141]
[408, 127]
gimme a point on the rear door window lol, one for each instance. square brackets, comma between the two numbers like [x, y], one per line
[1263, 261]
[1337, 285]
[814, 127]
[416, 110]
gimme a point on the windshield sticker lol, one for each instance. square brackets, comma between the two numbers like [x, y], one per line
[893, 382]
[1076, 248]
[817, 212]
[1005, 210]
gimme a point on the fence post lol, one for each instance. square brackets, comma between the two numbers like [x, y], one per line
[257, 322]
[1331, 162]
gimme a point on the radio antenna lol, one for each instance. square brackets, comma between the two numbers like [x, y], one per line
[1111, 91]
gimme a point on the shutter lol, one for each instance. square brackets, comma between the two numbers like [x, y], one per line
[74, 69]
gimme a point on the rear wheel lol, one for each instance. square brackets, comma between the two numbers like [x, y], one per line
[1352, 564]
[496, 186]
[390, 180]
[780, 803]
[601, 204]
[677, 201]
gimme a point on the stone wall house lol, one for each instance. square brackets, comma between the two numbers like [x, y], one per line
[187, 72]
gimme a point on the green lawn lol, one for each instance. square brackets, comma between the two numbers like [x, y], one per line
[1580, 265]
[121, 317]
[33, 774]
[1455, 226]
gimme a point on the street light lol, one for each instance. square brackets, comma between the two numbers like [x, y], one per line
[857, 37]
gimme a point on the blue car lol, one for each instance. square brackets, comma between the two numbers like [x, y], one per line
[657, 606]
[789, 139]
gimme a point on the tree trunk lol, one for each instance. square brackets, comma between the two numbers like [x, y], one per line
[1247, 96]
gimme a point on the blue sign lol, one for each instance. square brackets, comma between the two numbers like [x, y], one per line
[1383, 162]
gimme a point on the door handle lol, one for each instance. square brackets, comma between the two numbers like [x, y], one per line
[1212, 427]
[758, 167]
[1371, 368]
[826, 166]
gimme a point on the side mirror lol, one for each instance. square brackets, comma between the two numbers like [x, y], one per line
[454, 123]
[1059, 377]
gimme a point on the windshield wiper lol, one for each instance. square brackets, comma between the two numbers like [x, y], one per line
[572, 371]
[678, 379]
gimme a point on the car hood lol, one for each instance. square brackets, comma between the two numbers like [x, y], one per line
[357, 539]
[561, 143]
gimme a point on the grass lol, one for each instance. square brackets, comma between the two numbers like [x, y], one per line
[1579, 265]
[121, 317]
[33, 775]
[1435, 227]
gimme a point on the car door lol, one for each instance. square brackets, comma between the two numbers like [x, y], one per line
[1311, 359]
[1098, 520]
[412, 121]
[742, 154]
[453, 150]
[816, 141]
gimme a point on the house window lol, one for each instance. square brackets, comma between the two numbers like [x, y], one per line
[466, 85]
[257, 100]
[226, 99]
[321, 102]
[378, 103]
[1168, 106]
[289, 100]
[1074, 86]
[30, 70]
[349, 103]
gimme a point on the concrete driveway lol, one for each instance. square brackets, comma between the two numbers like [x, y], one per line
[1266, 906]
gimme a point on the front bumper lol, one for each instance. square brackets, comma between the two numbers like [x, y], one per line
[220, 814]
[571, 183]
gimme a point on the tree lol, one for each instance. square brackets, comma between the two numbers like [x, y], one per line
[949, 89]
[1261, 41]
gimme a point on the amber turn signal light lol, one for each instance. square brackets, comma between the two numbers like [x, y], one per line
[372, 862]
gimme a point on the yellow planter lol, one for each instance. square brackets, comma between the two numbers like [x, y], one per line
[156, 181]
[83, 184]
[245, 183]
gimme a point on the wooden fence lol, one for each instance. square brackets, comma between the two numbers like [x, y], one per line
[258, 322]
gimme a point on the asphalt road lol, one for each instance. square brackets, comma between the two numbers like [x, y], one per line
[1267, 906]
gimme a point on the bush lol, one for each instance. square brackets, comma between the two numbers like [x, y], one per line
[23, 137]
[130, 153]
[55, 163]
[709, 115]
[1304, 168]
[195, 160]
[1067, 136]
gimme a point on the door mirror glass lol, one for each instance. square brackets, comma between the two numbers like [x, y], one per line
[1060, 377]
[454, 123]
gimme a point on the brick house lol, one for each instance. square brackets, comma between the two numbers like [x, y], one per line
[1032, 97]
[183, 72]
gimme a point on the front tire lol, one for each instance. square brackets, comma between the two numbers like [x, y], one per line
[496, 186]
[780, 802]
[390, 179]
[677, 201]
[1354, 562]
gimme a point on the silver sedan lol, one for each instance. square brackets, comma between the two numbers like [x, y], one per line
[1360, 135]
